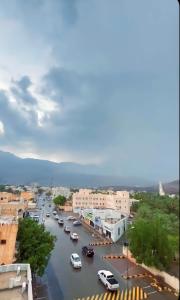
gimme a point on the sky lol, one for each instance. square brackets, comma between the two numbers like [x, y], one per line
[92, 82]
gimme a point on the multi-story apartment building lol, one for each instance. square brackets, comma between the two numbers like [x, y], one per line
[87, 198]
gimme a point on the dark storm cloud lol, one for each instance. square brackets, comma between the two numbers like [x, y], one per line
[20, 90]
[113, 75]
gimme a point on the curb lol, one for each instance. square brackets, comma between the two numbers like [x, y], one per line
[113, 256]
[100, 243]
[135, 276]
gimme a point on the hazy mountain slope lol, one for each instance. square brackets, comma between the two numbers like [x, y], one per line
[14, 170]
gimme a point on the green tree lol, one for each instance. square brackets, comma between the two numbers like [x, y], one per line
[35, 245]
[150, 243]
[59, 200]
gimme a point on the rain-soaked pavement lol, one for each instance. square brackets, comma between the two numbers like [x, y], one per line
[64, 282]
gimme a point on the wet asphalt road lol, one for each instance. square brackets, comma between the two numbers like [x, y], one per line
[64, 282]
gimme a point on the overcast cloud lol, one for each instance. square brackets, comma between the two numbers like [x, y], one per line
[92, 82]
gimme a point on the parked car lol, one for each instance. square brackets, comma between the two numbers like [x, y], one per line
[48, 215]
[35, 218]
[87, 251]
[71, 218]
[107, 278]
[67, 229]
[75, 260]
[54, 212]
[61, 222]
[56, 217]
[77, 223]
[74, 236]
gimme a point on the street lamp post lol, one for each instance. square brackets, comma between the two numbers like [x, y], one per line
[126, 244]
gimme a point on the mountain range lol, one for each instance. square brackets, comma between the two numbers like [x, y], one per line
[15, 170]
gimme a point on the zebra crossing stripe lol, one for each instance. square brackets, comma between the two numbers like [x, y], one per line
[122, 295]
[105, 296]
[109, 296]
[137, 293]
[129, 295]
[117, 295]
[133, 293]
[141, 294]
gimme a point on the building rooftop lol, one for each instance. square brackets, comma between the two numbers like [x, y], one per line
[8, 220]
[15, 282]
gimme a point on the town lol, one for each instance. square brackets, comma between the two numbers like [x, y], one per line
[90, 232]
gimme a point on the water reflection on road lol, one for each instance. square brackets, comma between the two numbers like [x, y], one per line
[64, 282]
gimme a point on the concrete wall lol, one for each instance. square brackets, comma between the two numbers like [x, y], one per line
[23, 267]
[169, 279]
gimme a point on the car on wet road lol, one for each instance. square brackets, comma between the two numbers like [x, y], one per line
[77, 223]
[61, 222]
[88, 251]
[74, 236]
[107, 278]
[75, 260]
[67, 229]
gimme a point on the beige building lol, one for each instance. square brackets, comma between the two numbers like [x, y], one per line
[27, 196]
[6, 197]
[8, 233]
[87, 198]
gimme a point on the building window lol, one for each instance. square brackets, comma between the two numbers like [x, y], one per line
[119, 231]
[3, 242]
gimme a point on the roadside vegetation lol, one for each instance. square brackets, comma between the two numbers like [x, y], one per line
[59, 200]
[154, 233]
[34, 245]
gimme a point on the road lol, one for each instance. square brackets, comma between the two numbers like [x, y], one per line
[66, 283]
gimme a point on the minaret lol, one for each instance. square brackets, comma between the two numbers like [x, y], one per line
[161, 190]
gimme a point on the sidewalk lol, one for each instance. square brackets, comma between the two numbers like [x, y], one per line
[95, 234]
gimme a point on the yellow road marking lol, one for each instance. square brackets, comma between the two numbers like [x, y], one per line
[101, 296]
[125, 295]
[133, 293]
[129, 294]
[109, 296]
[105, 296]
[96, 297]
[92, 297]
[113, 296]
[145, 295]
[122, 295]
[141, 294]
[137, 293]
[117, 295]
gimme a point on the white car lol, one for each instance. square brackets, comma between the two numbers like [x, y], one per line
[54, 212]
[107, 278]
[71, 218]
[74, 236]
[56, 217]
[75, 260]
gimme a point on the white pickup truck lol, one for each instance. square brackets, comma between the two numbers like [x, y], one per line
[108, 280]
